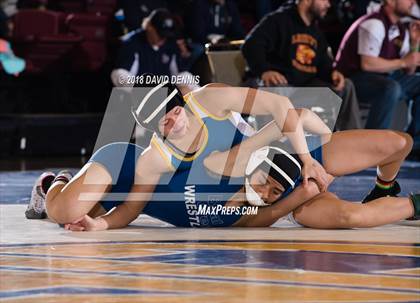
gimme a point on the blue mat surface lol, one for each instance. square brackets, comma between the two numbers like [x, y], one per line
[15, 187]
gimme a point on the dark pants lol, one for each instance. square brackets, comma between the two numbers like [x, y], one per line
[349, 114]
[383, 92]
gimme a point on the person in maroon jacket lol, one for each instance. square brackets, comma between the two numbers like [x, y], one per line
[380, 54]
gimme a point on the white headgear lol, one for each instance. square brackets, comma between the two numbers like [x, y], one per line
[279, 164]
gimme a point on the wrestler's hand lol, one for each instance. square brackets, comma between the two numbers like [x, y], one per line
[87, 223]
[312, 169]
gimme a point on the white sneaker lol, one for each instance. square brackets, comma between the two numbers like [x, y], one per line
[36, 206]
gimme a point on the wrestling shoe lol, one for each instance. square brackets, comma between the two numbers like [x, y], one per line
[415, 199]
[378, 192]
[64, 176]
[36, 206]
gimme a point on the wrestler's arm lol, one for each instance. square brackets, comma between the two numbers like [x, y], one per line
[223, 100]
[233, 162]
[259, 102]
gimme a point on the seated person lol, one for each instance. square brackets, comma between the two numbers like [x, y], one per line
[152, 49]
[287, 48]
[381, 54]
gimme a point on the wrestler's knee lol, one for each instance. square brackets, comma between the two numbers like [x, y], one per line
[64, 208]
[53, 211]
[348, 217]
[57, 212]
[397, 141]
[405, 141]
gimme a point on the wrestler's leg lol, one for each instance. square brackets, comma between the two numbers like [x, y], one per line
[112, 167]
[66, 203]
[326, 210]
[355, 150]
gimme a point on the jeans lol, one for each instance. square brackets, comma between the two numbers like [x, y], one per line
[383, 92]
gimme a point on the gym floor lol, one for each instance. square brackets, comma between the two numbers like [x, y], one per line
[151, 261]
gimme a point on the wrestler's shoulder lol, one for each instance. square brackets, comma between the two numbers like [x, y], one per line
[151, 160]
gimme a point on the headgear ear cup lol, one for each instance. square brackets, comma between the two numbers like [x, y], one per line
[152, 103]
[278, 164]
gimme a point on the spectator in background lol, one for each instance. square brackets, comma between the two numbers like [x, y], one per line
[9, 63]
[287, 48]
[152, 50]
[213, 20]
[381, 54]
[136, 10]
